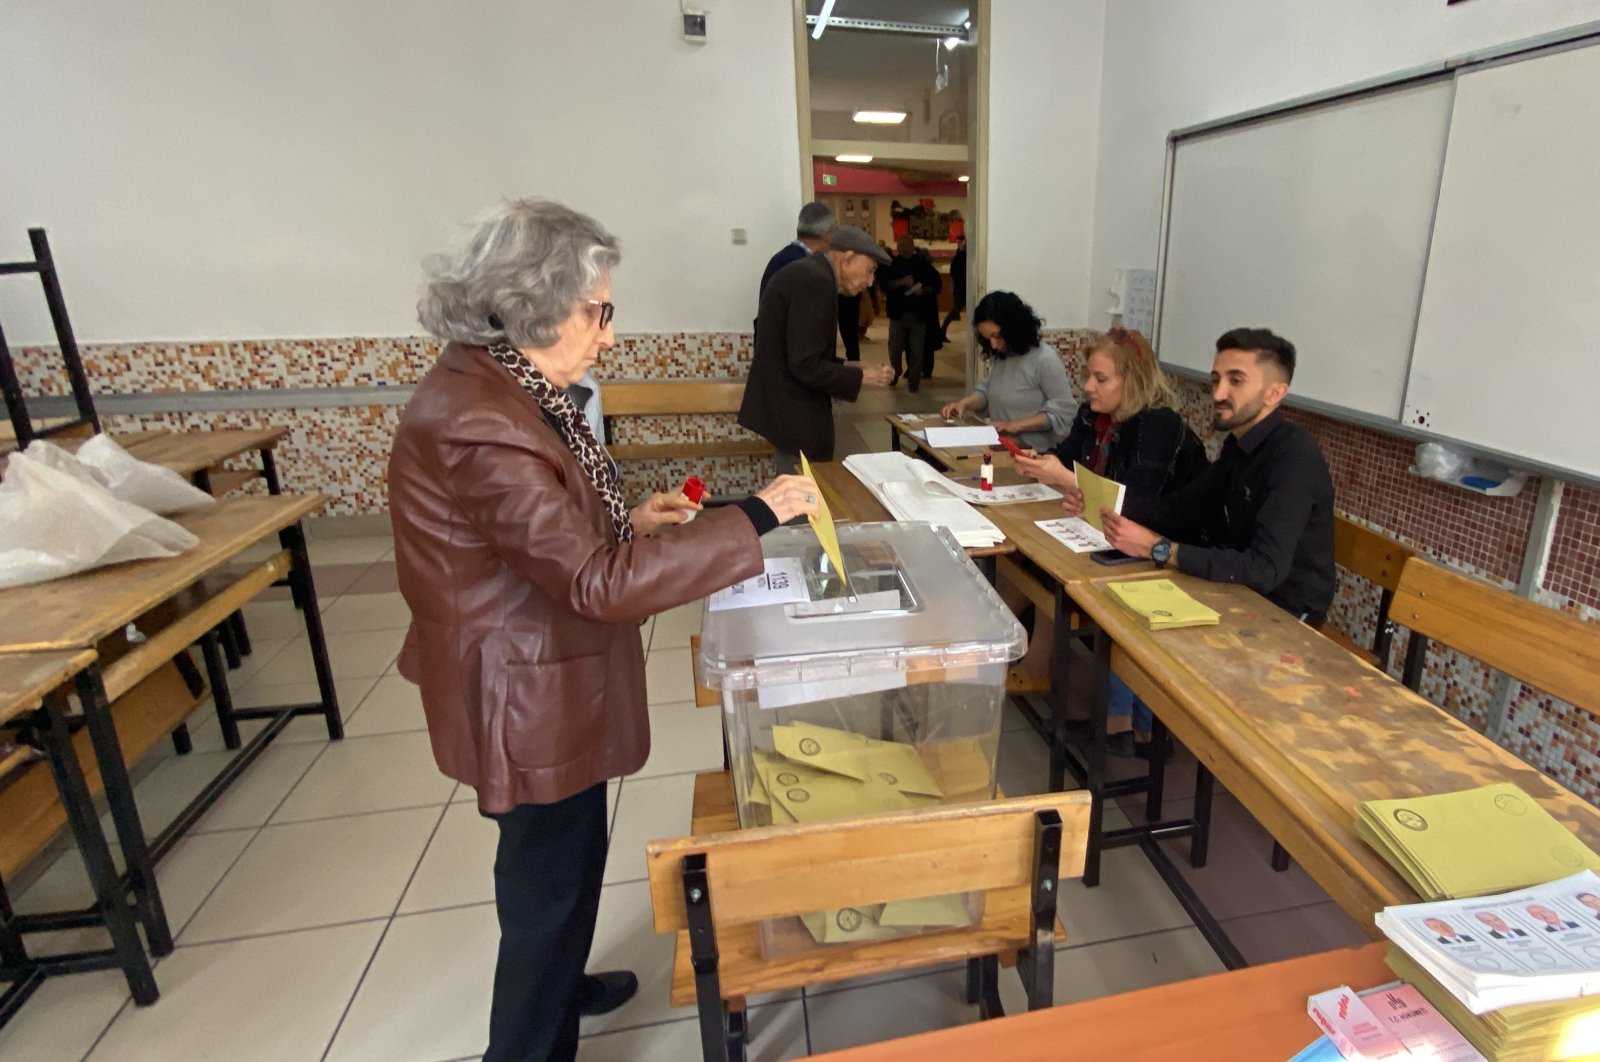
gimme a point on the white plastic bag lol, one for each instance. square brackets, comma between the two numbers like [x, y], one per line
[54, 523]
[153, 487]
[1442, 463]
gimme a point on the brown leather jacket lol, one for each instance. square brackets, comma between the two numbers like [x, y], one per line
[525, 610]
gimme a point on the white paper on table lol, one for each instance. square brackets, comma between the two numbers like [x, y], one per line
[962, 435]
[1076, 533]
[782, 582]
[1020, 492]
[913, 492]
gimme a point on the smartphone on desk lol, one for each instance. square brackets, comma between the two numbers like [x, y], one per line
[1114, 556]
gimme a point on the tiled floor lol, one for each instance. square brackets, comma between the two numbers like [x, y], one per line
[337, 903]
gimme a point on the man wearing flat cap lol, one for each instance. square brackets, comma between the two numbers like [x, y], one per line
[797, 373]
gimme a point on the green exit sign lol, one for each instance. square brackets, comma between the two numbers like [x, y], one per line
[830, 178]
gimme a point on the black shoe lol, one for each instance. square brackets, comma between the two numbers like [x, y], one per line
[603, 993]
[1078, 732]
[913, 386]
[897, 375]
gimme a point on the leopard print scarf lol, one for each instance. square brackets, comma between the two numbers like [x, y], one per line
[575, 431]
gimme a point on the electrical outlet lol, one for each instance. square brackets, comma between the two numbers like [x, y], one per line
[694, 27]
[740, 237]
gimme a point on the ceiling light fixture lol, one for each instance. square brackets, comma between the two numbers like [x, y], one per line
[853, 158]
[822, 19]
[963, 178]
[880, 117]
[952, 43]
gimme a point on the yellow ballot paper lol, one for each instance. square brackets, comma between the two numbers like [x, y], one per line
[1098, 493]
[1161, 604]
[822, 524]
[1491, 839]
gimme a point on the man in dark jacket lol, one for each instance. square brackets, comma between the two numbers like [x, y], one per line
[797, 373]
[906, 284]
[810, 236]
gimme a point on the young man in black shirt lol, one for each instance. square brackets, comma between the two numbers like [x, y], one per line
[1262, 513]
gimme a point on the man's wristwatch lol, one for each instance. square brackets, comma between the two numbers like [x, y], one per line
[1161, 552]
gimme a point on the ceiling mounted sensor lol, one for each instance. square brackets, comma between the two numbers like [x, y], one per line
[822, 19]
[880, 117]
[859, 159]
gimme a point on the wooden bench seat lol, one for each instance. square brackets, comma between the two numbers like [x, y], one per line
[1536, 645]
[640, 398]
[30, 806]
[1379, 559]
[713, 889]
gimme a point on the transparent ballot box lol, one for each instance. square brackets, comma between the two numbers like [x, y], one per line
[875, 694]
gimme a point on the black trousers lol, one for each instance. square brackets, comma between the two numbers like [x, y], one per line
[547, 875]
[850, 326]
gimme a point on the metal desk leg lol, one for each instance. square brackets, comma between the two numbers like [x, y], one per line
[221, 695]
[1205, 784]
[1060, 656]
[305, 590]
[124, 813]
[1096, 767]
[110, 898]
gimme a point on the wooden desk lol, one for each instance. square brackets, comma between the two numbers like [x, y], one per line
[199, 455]
[177, 602]
[1300, 731]
[1259, 1013]
[965, 459]
[851, 502]
[33, 683]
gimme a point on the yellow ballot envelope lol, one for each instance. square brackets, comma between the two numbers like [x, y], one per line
[836, 751]
[1161, 605]
[848, 925]
[822, 524]
[901, 767]
[943, 911]
[1098, 493]
[1491, 839]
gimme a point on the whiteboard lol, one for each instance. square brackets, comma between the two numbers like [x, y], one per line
[1313, 224]
[1508, 338]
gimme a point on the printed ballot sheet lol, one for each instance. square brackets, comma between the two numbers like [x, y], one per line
[1075, 533]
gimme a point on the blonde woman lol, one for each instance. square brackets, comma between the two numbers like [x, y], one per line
[1128, 430]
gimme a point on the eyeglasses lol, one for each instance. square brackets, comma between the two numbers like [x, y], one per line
[607, 311]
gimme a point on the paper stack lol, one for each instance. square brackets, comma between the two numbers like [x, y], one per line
[1471, 843]
[819, 774]
[1161, 604]
[914, 493]
[1511, 970]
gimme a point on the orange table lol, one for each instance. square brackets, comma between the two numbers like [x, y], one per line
[1256, 1013]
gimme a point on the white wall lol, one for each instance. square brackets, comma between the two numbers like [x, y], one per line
[1170, 64]
[279, 168]
[1044, 106]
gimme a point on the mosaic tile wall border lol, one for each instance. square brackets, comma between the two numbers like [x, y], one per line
[343, 452]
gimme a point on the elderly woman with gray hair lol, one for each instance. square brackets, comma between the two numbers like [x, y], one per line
[527, 576]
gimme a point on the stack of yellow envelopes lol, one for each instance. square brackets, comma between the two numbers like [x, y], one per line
[1161, 605]
[1479, 841]
[820, 774]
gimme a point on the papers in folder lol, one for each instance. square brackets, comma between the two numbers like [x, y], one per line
[1470, 843]
[1161, 605]
[907, 488]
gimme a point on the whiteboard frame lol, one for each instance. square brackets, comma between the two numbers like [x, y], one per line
[1584, 34]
